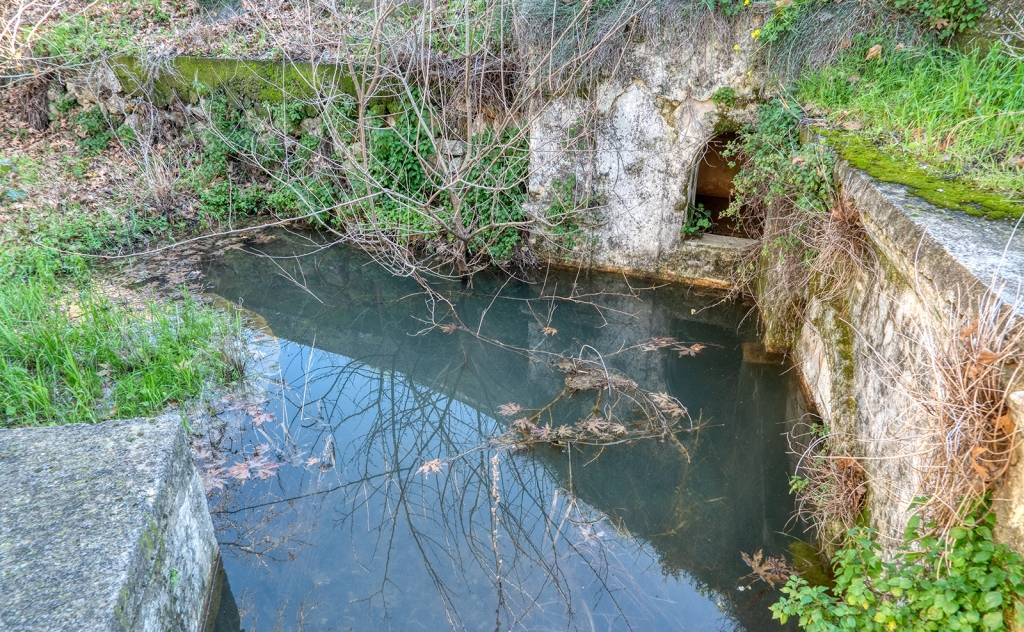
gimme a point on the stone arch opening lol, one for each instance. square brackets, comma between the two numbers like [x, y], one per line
[714, 184]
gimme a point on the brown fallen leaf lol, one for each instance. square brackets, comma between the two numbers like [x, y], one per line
[874, 52]
[987, 356]
[239, 471]
[263, 467]
[433, 466]
[947, 142]
[1006, 424]
[509, 409]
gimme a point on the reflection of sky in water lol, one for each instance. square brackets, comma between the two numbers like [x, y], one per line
[647, 540]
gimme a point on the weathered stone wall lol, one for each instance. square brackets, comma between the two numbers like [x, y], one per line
[103, 527]
[632, 143]
[866, 355]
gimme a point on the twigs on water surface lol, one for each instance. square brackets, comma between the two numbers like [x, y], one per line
[648, 415]
[769, 569]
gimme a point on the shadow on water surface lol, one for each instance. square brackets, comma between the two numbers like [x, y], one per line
[375, 497]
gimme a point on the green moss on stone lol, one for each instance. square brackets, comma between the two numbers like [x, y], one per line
[808, 563]
[189, 78]
[152, 546]
[944, 192]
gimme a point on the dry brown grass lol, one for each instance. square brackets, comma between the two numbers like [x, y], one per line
[974, 435]
[830, 487]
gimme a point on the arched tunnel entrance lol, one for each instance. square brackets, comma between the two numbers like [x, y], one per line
[714, 185]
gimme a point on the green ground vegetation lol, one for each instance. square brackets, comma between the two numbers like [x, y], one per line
[959, 113]
[68, 354]
[965, 582]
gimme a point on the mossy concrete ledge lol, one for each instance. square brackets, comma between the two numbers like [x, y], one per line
[103, 527]
[867, 354]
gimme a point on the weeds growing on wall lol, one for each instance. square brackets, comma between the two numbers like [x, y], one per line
[784, 194]
[946, 17]
[974, 436]
[965, 583]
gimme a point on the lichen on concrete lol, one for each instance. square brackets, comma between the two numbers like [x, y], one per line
[104, 527]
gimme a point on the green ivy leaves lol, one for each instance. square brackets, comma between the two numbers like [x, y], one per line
[967, 582]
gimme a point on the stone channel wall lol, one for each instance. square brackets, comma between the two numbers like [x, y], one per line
[632, 144]
[104, 528]
[867, 355]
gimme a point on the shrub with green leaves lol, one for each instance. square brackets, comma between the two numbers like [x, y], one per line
[96, 131]
[778, 174]
[782, 192]
[968, 583]
[947, 17]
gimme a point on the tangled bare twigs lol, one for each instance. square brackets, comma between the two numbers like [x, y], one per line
[974, 436]
[772, 570]
[830, 489]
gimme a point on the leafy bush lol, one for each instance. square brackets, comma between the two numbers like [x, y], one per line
[563, 212]
[96, 131]
[698, 221]
[782, 193]
[776, 170]
[494, 191]
[970, 583]
[947, 17]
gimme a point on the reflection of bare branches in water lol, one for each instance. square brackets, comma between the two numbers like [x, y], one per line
[417, 463]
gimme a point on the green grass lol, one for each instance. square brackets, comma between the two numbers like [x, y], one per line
[69, 355]
[960, 113]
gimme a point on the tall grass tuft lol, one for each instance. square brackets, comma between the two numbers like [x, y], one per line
[76, 356]
[960, 112]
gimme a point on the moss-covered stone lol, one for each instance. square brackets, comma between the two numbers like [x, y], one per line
[189, 78]
[941, 191]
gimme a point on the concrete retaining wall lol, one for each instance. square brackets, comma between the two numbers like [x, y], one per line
[103, 527]
[866, 355]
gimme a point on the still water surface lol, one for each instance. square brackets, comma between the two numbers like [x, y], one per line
[372, 496]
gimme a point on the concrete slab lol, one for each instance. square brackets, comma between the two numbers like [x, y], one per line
[103, 527]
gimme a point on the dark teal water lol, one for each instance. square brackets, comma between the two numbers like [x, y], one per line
[349, 531]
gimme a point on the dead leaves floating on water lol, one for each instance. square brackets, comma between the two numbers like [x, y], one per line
[594, 430]
[668, 405]
[773, 571]
[257, 415]
[667, 342]
[215, 475]
[582, 376]
[432, 466]
[509, 409]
